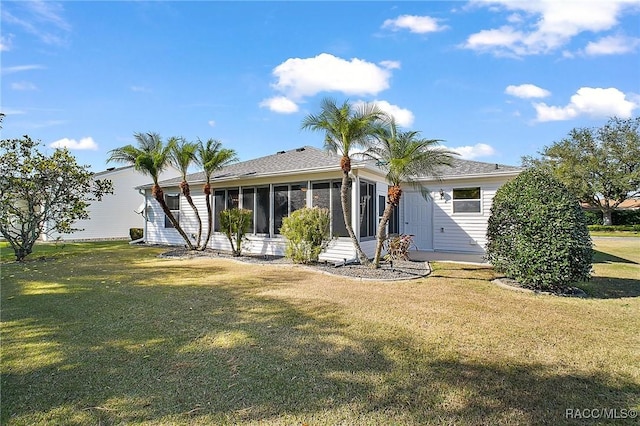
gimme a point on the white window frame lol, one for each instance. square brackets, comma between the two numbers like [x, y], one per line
[457, 201]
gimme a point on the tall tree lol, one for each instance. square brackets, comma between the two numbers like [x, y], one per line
[346, 128]
[150, 157]
[405, 156]
[211, 156]
[38, 190]
[182, 155]
[601, 166]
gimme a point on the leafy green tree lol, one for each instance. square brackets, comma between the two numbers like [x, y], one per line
[601, 166]
[235, 225]
[211, 156]
[537, 233]
[307, 234]
[151, 157]
[38, 190]
[345, 129]
[405, 156]
[183, 154]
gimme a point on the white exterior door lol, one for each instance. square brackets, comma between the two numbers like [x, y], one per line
[418, 219]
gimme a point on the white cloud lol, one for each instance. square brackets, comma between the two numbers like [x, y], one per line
[211, 123]
[612, 45]
[589, 101]
[6, 42]
[280, 104]
[23, 85]
[299, 77]
[20, 68]
[390, 65]
[526, 91]
[413, 23]
[543, 26]
[43, 19]
[478, 150]
[83, 144]
[402, 116]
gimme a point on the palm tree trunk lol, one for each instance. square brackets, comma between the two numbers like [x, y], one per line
[346, 211]
[207, 193]
[381, 236]
[158, 193]
[184, 185]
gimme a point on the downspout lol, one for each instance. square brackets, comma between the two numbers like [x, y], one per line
[144, 229]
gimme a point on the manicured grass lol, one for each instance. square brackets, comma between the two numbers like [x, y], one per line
[118, 336]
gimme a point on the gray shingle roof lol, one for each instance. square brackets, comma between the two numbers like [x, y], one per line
[309, 158]
[461, 167]
[299, 159]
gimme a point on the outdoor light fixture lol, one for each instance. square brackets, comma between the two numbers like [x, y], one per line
[441, 194]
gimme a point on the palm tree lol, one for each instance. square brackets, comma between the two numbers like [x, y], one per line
[405, 156]
[182, 154]
[211, 156]
[346, 128]
[150, 157]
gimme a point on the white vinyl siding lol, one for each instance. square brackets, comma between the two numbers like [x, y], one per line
[462, 231]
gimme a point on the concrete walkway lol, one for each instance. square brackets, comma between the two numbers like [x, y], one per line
[439, 256]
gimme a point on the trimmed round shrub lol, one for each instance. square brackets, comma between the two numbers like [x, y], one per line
[537, 233]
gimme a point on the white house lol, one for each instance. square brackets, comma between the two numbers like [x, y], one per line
[454, 217]
[112, 217]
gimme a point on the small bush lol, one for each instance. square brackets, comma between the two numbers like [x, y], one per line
[235, 225]
[537, 233]
[136, 233]
[307, 234]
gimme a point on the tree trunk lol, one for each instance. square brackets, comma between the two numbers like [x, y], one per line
[606, 217]
[381, 236]
[184, 185]
[158, 194]
[346, 212]
[207, 193]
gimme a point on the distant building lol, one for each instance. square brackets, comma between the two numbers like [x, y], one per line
[112, 217]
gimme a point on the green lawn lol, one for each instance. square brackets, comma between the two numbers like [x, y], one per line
[111, 334]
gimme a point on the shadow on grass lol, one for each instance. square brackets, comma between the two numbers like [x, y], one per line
[601, 257]
[218, 351]
[611, 288]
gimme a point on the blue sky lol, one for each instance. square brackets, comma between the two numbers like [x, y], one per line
[495, 80]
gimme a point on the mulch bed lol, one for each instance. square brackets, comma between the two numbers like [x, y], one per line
[391, 271]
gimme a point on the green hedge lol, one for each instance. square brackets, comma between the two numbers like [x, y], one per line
[537, 233]
[615, 228]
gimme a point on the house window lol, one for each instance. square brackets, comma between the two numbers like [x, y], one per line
[286, 200]
[262, 215]
[223, 199]
[219, 203]
[173, 202]
[248, 203]
[466, 200]
[339, 229]
[280, 206]
[367, 209]
[394, 223]
[326, 195]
